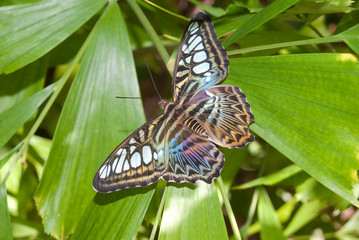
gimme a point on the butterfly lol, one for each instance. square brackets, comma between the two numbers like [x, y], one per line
[179, 145]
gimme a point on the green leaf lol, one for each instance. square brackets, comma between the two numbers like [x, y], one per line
[268, 219]
[114, 216]
[349, 20]
[192, 212]
[29, 31]
[214, 11]
[91, 124]
[21, 84]
[5, 225]
[4, 159]
[321, 7]
[306, 107]
[273, 178]
[234, 160]
[258, 19]
[13, 118]
[306, 213]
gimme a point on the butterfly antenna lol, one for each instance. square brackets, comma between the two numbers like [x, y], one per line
[153, 82]
[136, 97]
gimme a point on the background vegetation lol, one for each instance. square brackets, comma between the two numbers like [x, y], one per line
[63, 63]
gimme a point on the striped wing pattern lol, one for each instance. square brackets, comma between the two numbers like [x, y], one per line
[201, 61]
[225, 114]
[137, 162]
[179, 145]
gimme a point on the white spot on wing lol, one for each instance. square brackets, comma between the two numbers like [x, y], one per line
[103, 171]
[120, 164]
[193, 44]
[114, 164]
[201, 68]
[193, 27]
[132, 148]
[155, 156]
[188, 59]
[132, 140]
[191, 38]
[136, 160]
[200, 56]
[199, 47]
[120, 151]
[146, 154]
[126, 166]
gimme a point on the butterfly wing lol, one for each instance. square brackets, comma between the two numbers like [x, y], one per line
[192, 157]
[136, 162]
[223, 114]
[201, 61]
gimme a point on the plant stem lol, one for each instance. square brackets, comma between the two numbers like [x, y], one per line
[164, 10]
[251, 212]
[286, 44]
[149, 29]
[229, 210]
[159, 214]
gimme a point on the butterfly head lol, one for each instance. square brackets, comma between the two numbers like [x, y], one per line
[164, 103]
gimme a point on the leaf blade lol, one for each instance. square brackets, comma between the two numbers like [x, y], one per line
[303, 105]
[268, 219]
[26, 35]
[13, 118]
[258, 19]
[90, 125]
[197, 202]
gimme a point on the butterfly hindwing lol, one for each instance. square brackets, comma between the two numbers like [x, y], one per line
[224, 114]
[201, 61]
[192, 158]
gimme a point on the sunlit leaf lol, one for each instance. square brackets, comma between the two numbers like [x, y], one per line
[268, 219]
[114, 216]
[192, 212]
[305, 106]
[92, 123]
[258, 19]
[306, 213]
[5, 225]
[272, 178]
[13, 118]
[28, 31]
[22, 83]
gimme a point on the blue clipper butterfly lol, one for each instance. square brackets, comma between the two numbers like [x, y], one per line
[178, 146]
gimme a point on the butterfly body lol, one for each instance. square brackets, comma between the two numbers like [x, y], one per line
[179, 145]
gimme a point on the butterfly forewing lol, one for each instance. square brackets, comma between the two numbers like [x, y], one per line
[201, 61]
[137, 162]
